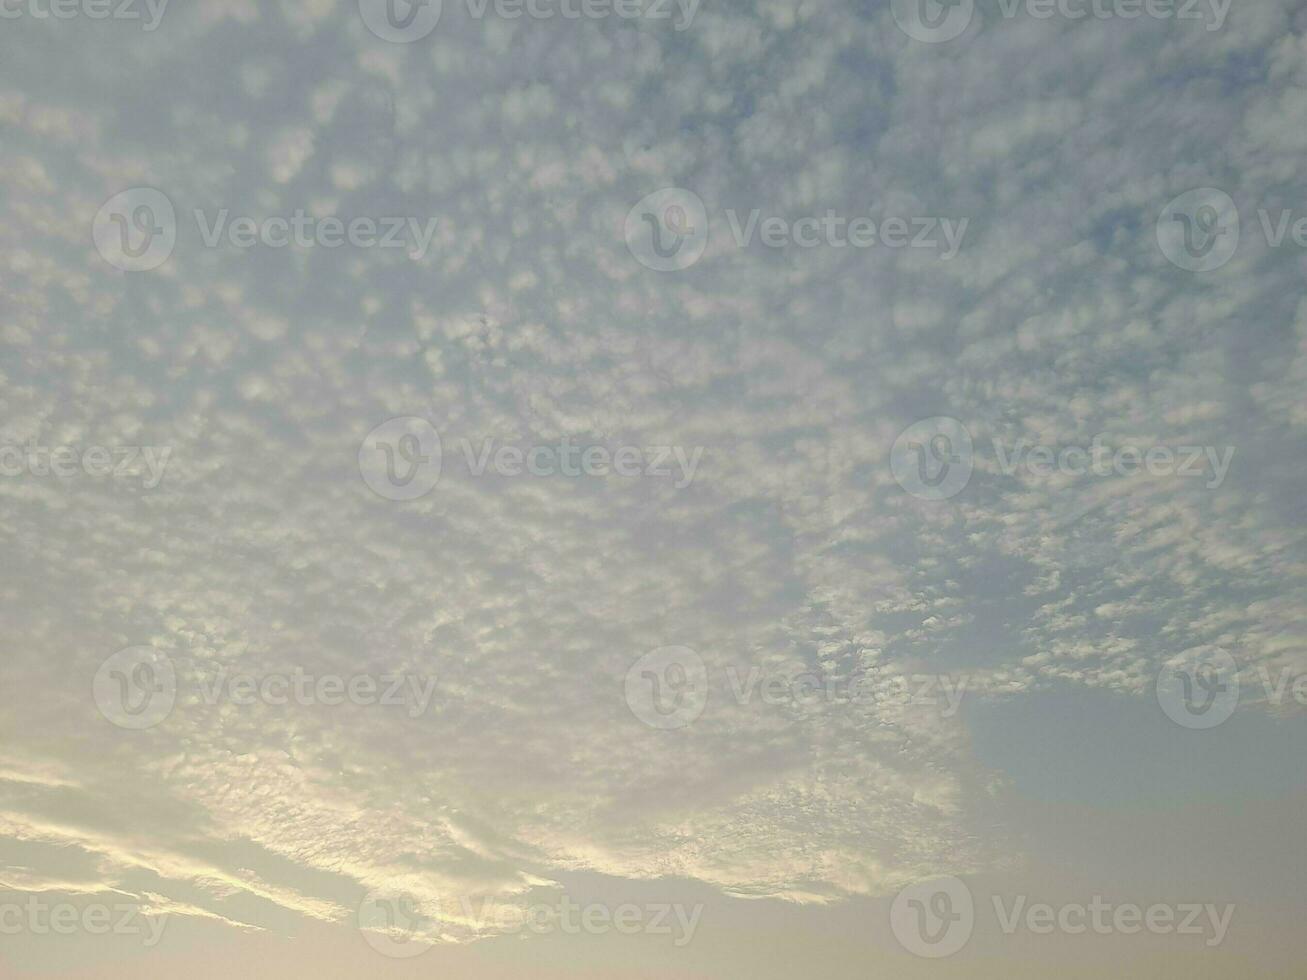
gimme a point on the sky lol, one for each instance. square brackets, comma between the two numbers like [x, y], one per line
[625, 489]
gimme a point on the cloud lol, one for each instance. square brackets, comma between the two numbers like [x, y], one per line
[528, 598]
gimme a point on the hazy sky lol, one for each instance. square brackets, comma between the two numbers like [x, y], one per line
[691, 490]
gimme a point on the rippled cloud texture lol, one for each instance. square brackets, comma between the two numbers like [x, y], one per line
[760, 390]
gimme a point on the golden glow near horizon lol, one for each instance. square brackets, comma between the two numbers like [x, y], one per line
[616, 488]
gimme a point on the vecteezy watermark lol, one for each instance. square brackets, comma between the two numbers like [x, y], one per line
[276, 688]
[306, 231]
[833, 230]
[669, 688]
[863, 688]
[400, 21]
[933, 918]
[137, 688]
[936, 918]
[1098, 459]
[1211, 12]
[1104, 918]
[1200, 230]
[406, 21]
[397, 925]
[933, 459]
[64, 462]
[933, 21]
[667, 231]
[936, 21]
[42, 918]
[591, 919]
[1200, 688]
[402, 459]
[149, 11]
[394, 924]
[136, 230]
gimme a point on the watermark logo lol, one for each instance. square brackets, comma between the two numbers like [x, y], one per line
[64, 462]
[652, 10]
[667, 688]
[932, 459]
[401, 459]
[278, 688]
[1203, 688]
[933, 918]
[41, 918]
[1199, 691]
[833, 230]
[90, 9]
[667, 231]
[943, 691]
[308, 231]
[1199, 230]
[1099, 459]
[591, 919]
[401, 21]
[933, 21]
[135, 230]
[1105, 918]
[571, 459]
[1215, 14]
[405, 21]
[1275, 688]
[136, 687]
[670, 688]
[394, 924]
[1276, 231]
